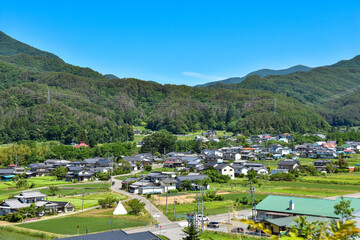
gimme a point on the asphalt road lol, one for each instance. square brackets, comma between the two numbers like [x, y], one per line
[155, 213]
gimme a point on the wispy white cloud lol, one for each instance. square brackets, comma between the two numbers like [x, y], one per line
[203, 76]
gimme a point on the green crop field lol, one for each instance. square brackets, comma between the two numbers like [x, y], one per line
[76, 189]
[209, 235]
[8, 189]
[89, 200]
[297, 188]
[89, 224]
[7, 235]
[339, 178]
[93, 221]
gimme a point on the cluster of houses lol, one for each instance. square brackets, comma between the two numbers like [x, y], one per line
[77, 170]
[158, 182]
[25, 198]
[232, 161]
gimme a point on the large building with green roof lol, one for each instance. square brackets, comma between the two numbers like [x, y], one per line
[278, 212]
[284, 206]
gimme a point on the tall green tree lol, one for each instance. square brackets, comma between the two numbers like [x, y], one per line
[191, 232]
[161, 141]
[344, 209]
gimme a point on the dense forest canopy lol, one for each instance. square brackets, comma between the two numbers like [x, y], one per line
[44, 98]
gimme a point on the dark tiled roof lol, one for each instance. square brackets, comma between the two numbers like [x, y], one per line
[116, 235]
[191, 177]
[6, 171]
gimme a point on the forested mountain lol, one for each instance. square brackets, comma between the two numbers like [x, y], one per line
[10, 46]
[83, 100]
[331, 90]
[261, 73]
[111, 76]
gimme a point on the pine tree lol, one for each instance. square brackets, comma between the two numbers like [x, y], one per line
[191, 232]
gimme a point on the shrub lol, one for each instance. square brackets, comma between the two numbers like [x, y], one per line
[107, 202]
[136, 206]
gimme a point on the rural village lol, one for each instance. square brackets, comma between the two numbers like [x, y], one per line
[265, 181]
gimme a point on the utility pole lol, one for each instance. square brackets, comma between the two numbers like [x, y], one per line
[166, 198]
[202, 211]
[174, 208]
[252, 191]
[83, 199]
[111, 170]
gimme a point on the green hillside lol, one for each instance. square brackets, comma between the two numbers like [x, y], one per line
[10, 46]
[331, 90]
[83, 99]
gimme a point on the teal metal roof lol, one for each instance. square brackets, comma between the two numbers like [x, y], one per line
[9, 176]
[304, 206]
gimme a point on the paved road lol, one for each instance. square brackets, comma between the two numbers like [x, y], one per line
[156, 213]
[174, 230]
[351, 195]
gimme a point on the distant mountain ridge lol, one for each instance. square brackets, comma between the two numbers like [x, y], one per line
[262, 73]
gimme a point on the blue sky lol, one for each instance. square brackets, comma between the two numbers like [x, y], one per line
[187, 42]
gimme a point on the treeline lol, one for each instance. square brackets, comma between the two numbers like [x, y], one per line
[28, 152]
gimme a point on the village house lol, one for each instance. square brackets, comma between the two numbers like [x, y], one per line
[25, 198]
[289, 164]
[320, 165]
[192, 178]
[225, 169]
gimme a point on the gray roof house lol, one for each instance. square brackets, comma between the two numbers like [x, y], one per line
[289, 164]
[191, 178]
[11, 205]
[116, 235]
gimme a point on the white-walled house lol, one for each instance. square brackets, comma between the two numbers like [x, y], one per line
[225, 169]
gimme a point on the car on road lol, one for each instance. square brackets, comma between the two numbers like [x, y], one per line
[213, 225]
[238, 230]
[202, 218]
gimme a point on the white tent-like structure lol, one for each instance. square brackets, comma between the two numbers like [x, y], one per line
[120, 210]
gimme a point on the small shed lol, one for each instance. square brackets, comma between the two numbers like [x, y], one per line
[7, 178]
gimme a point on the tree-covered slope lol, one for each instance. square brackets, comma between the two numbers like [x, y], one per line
[10, 46]
[84, 100]
[342, 111]
[315, 86]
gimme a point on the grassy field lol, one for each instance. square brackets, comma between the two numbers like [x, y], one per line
[306, 186]
[8, 189]
[339, 178]
[76, 189]
[92, 221]
[89, 200]
[6, 235]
